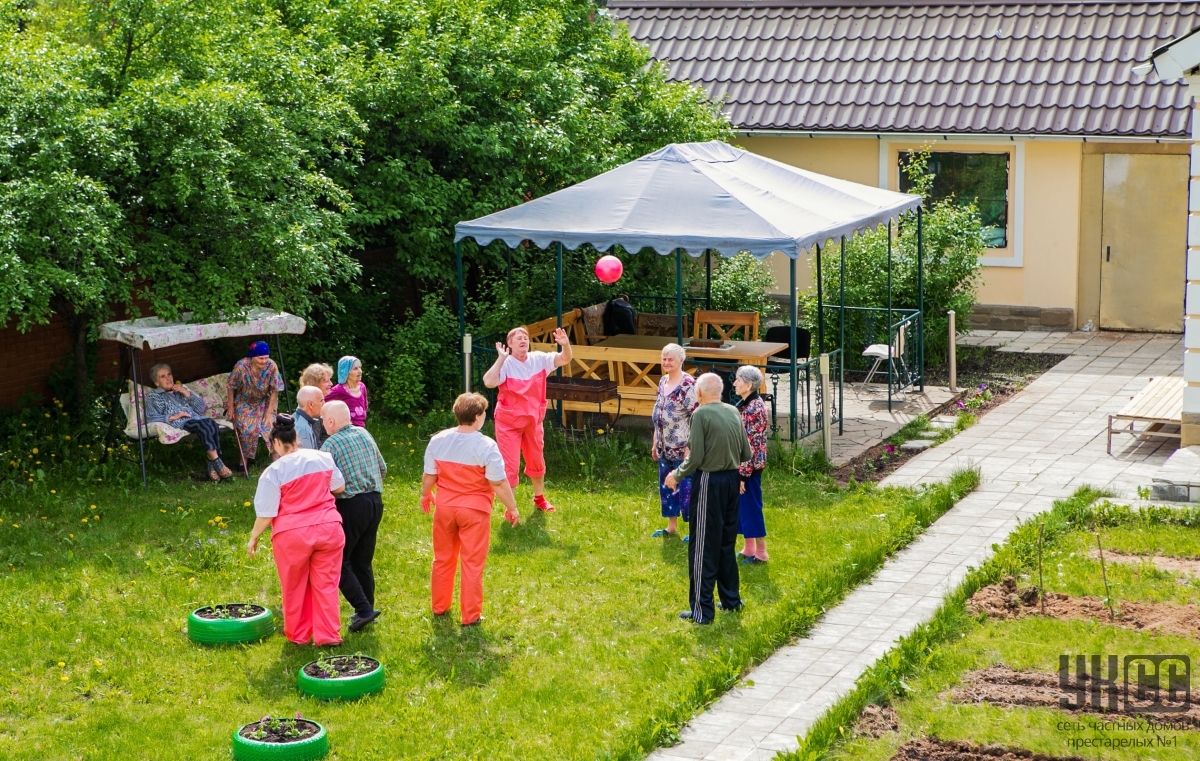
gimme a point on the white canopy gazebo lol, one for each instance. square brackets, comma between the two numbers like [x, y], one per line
[157, 333]
[693, 198]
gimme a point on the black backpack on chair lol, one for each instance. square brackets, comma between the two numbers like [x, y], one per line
[619, 318]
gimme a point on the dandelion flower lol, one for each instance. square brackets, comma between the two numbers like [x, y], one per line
[581, 463]
[64, 677]
[410, 425]
[34, 450]
[16, 525]
[246, 503]
[191, 579]
[92, 507]
[70, 536]
[52, 491]
[47, 414]
[61, 664]
[84, 520]
[66, 438]
[212, 523]
[161, 510]
[411, 451]
[600, 431]
[97, 661]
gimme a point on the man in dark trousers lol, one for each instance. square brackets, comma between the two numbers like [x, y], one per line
[717, 444]
[360, 505]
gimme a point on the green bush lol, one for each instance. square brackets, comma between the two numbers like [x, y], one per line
[954, 240]
[740, 284]
[424, 369]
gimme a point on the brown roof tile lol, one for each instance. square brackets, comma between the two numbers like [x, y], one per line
[924, 65]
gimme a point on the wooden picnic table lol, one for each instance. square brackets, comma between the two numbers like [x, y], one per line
[634, 362]
[1159, 404]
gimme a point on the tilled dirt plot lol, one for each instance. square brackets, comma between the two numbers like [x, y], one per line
[1006, 601]
[1003, 686]
[933, 749]
[877, 721]
[1189, 566]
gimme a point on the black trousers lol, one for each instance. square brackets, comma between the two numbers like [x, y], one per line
[360, 522]
[205, 429]
[714, 526]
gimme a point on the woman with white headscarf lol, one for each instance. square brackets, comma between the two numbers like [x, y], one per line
[351, 390]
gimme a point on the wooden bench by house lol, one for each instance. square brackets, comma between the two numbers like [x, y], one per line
[1158, 405]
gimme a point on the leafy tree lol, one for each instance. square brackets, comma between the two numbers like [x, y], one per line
[953, 242]
[167, 154]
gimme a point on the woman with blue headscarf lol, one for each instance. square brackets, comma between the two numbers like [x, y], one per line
[351, 390]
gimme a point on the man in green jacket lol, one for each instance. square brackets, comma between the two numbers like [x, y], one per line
[717, 444]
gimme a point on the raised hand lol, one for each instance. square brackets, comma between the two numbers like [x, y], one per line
[560, 337]
[502, 350]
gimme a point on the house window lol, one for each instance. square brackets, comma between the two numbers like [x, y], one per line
[981, 178]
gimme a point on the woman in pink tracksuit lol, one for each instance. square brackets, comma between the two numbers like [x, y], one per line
[295, 498]
[520, 374]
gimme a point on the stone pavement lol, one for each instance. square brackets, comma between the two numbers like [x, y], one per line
[867, 420]
[1039, 446]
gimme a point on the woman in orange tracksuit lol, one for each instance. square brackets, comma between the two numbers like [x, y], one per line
[520, 374]
[466, 468]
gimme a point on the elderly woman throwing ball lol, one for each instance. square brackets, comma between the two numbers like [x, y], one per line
[520, 374]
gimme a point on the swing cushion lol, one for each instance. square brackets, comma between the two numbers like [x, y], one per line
[210, 389]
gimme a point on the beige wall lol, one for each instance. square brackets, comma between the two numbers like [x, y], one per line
[852, 158]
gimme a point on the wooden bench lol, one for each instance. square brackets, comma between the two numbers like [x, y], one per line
[1158, 405]
[724, 325]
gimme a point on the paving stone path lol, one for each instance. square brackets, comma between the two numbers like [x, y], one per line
[1039, 446]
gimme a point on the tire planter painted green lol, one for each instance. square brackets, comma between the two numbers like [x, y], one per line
[224, 631]
[308, 749]
[342, 688]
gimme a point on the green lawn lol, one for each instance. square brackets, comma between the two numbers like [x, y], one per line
[581, 655]
[1036, 644]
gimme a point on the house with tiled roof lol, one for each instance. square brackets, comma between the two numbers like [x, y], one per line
[1079, 165]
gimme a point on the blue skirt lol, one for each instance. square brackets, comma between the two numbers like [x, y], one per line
[750, 509]
[674, 503]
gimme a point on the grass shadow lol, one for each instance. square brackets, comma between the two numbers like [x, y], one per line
[466, 657]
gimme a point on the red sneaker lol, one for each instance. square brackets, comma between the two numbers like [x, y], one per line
[541, 504]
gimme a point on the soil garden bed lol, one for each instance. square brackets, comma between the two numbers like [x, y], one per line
[1004, 374]
[1188, 566]
[341, 666]
[877, 721]
[1006, 601]
[933, 749]
[1003, 686]
[234, 610]
[279, 731]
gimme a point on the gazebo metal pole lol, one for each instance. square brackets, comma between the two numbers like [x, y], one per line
[679, 293]
[841, 332]
[508, 268]
[891, 342]
[558, 292]
[287, 395]
[462, 309]
[708, 279]
[921, 296]
[820, 306]
[135, 359]
[792, 373]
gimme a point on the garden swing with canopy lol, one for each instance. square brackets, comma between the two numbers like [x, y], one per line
[694, 198]
[157, 333]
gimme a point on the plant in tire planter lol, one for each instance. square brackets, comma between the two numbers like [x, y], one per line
[274, 739]
[230, 623]
[342, 677]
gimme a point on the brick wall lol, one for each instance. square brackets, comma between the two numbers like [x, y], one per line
[31, 357]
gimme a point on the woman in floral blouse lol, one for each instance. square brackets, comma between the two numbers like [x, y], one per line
[672, 422]
[750, 504]
[253, 398]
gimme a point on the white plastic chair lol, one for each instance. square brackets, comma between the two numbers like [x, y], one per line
[884, 353]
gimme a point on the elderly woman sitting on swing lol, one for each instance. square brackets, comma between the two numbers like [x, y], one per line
[173, 404]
